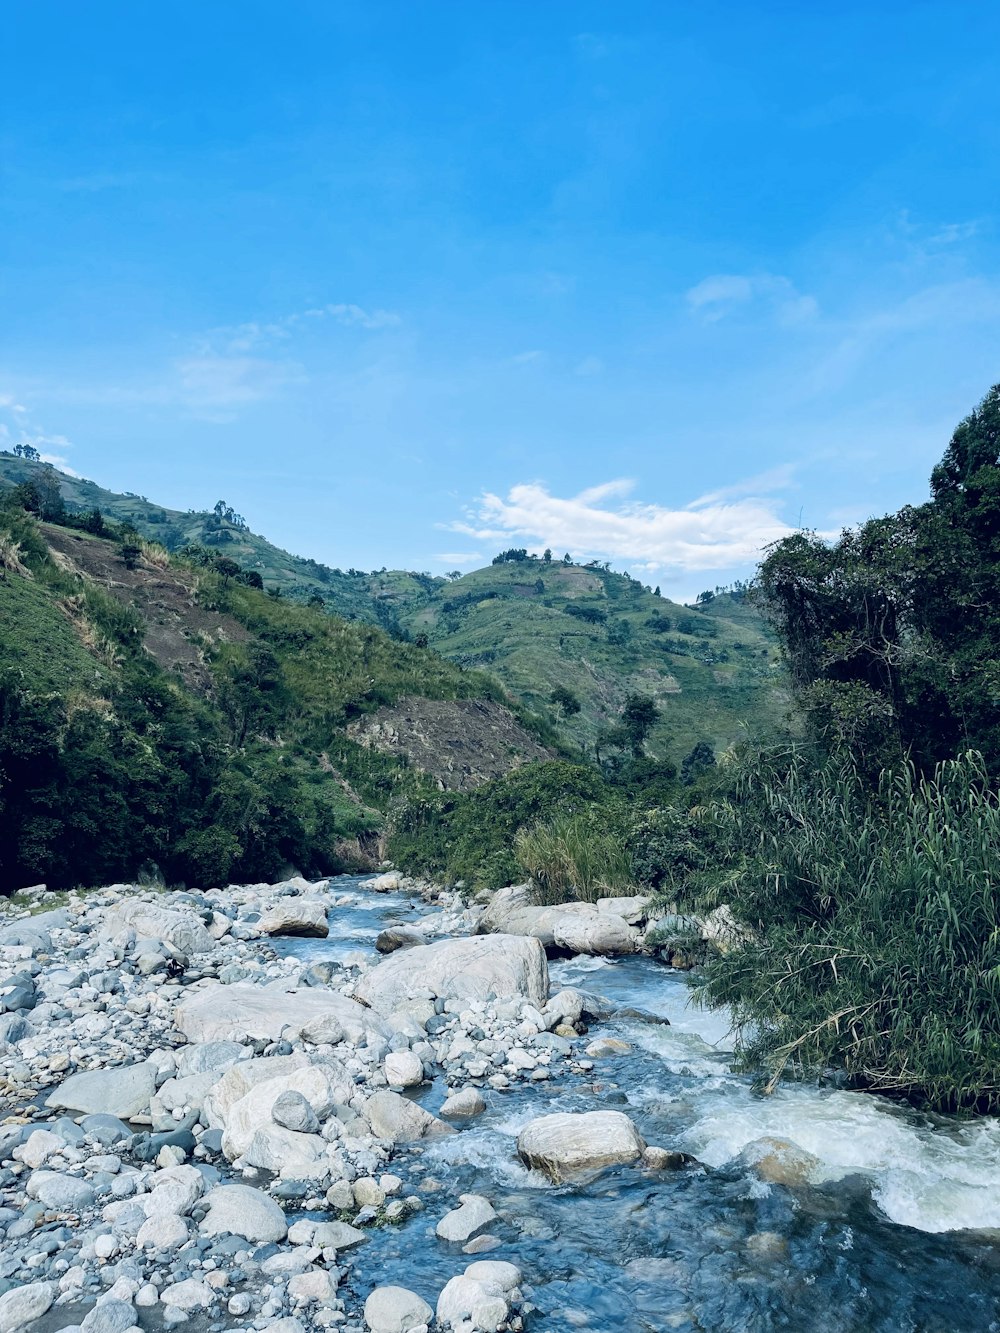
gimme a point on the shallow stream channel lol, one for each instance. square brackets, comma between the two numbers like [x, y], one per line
[894, 1226]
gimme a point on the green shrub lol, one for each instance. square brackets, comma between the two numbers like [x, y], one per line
[576, 856]
[876, 927]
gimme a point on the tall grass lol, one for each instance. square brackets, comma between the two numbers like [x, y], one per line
[573, 857]
[876, 921]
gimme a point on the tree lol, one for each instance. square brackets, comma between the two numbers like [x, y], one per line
[565, 699]
[656, 591]
[639, 716]
[567, 559]
[539, 587]
[229, 569]
[27, 451]
[316, 600]
[619, 633]
[547, 555]
[94, 523]
[252, 579]
[454, 574]
[699, 762]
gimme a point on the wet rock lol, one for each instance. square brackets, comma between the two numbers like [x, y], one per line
[390, 882]
[474, 1215]
[398, 937]
[568, 1143]
[123, 1092]
[238, 1210]
[463, 1105]
[780, 1162]
[295, 916]
[482, 1295]
[338, 1236]
[396, 1310]
[471, 968]
[24, 1304]
[398, 1120]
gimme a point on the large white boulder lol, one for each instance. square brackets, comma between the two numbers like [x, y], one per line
[322, 1088]
[481, 1296]
[295, 916]
[396, 1310]
[237, 1081]
[124, 1092]
[475, 1213]
[223, 1013]
[21, 1305]
[183, 930]
[569, 1143]
[472, 968]
[238, 1210]
[398, 1120]
[588, 930]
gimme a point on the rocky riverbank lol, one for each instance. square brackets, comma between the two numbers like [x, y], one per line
[197, 1128]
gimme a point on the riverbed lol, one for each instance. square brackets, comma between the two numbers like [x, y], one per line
[896, 1228]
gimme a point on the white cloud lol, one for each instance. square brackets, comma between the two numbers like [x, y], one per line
[721, 294]
[20, 427]
[590, 365]
[240, 338]
[712, 533]
[454, 558]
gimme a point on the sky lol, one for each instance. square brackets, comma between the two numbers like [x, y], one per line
[410, 283]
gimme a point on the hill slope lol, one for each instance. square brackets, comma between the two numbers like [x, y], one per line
[541, 625]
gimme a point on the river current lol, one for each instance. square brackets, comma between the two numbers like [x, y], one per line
[897, 1229]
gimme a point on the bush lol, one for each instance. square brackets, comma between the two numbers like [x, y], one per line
[576, 856]
[876, 928]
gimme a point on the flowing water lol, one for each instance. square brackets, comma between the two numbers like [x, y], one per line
[891, 1232]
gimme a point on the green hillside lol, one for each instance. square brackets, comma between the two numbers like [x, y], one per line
[346, 593]
[541, 625]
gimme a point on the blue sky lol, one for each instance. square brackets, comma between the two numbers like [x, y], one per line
[407, 283]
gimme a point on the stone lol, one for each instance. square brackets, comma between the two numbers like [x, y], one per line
[292, 1111]
[163, 1231]
[397, 937]
[320, 1089]
[495, 1273]
[403, 1069]
[187, 1295]
[390, 882]
[222, 1013]
[398, 1120]
[607, 1046]
[338, 1236]
[60, 1192]
[205, 1057]
[460, 1224]
[175, 1190]
[463, 1298]
[181, 930]
[316, 1286]
[238, 1210]
[123, 1092]
[780, 1161]
[595, 932]
[24, 1304]
[396, 1310]
[41, 1145]
[295, 916]
[110, 1316]
[568, 1143]
[283, 1152]
[467, 968]
[464, 1104]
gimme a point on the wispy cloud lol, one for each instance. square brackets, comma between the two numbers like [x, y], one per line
[237, 338]
[721, 294]
[19, 426]
[714, 532]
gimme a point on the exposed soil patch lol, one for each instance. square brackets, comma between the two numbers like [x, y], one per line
[461, 742]
[177, 628]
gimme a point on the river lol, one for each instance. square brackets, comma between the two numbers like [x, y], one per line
[891, 1232]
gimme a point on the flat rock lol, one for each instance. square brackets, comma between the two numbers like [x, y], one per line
[124, 1092]
[470, 968]
[396, 1310]
[222, 1013]
[569, 1143]
[594, 932]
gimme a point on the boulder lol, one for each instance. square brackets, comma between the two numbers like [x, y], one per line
[390, 882]
[124, 1092]
[255, 1111]
[222, 1013]
[461, 1223]
[633, 909]
[23, 1304]
[285, 1153]
[483, 1300]
[780, 1161]
[388, 941]
[403, 1069]
[60, 1192]
[291, 1110]
[568, 1143]
[595, 932]
[239, 1079]
[238, 1210]
[209, 1056]
[295, 916]
[398, 1120]
[182, 930]
[470, 968]
[463, 1105]
[396, 1310]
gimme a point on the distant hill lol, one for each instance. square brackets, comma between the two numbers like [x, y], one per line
[537, 625]
[601, 635]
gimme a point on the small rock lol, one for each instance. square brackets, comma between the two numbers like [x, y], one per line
[461, 1223]
[396, 1310]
